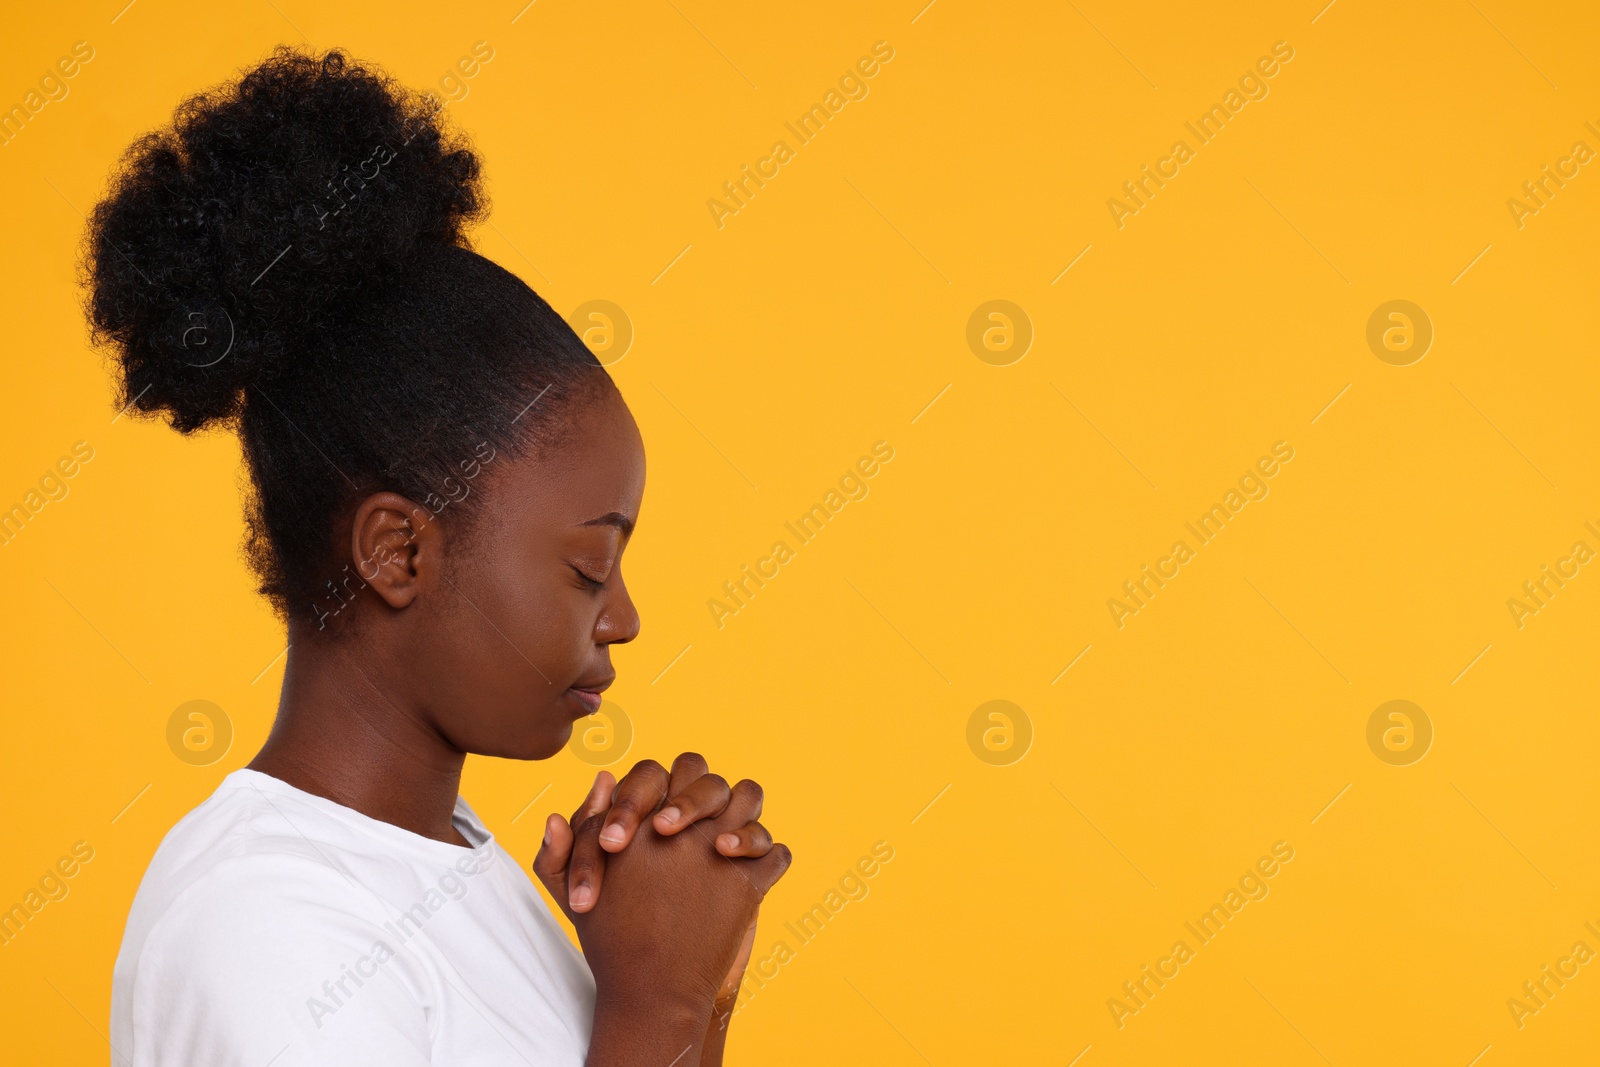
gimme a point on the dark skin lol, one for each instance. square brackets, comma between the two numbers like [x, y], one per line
[495, 640]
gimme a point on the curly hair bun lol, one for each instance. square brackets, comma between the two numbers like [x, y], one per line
[229, 240]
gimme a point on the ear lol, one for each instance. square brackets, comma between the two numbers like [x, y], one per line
[397, 546]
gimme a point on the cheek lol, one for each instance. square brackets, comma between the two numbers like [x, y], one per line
[508, 652]
[559, 628]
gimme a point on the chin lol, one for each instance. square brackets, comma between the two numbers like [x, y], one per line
[525, 732]
[541, 746]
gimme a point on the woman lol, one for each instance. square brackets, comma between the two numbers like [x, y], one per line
[443, 481]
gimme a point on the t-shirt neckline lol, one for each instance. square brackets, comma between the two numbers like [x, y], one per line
[464, 818]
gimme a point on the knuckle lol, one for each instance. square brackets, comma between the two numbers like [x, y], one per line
[591, 825]
[690, 761]
[647, 768]
[750, 790]
[625, 804]
[720, 783]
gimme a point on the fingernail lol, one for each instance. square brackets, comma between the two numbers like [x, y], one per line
[581, 896]
[549, 825]
[669, 815]
[612, 834]
[728, 842]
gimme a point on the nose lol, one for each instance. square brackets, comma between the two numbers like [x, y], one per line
[619, 620]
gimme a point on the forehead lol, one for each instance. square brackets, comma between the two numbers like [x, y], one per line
[595, 466]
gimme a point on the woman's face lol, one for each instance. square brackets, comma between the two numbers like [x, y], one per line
[531, 601]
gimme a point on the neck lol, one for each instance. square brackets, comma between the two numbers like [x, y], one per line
[341, 734]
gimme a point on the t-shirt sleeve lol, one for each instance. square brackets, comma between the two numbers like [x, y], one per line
[282, 960]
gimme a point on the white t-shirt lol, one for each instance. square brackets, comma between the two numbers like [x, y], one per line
[277, 927]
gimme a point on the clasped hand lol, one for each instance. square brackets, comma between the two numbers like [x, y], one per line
[680, 909]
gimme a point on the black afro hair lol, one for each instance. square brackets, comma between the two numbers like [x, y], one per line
[289, 259]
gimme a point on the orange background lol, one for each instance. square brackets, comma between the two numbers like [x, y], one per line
[1229, 313]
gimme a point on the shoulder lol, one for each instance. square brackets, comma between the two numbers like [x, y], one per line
[256, 866]
[250, 931]
[253, 924]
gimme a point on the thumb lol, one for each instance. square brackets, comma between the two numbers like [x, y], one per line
[550, 865]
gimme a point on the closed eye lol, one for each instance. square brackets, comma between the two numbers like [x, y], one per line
[588, 582]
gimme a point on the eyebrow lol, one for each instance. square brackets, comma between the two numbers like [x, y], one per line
[612, 518]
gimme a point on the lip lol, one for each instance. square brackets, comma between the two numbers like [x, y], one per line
[587, 695]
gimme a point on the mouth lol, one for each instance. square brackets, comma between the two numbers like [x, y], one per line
[587, 694]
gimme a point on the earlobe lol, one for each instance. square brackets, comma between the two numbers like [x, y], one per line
[396, 546]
